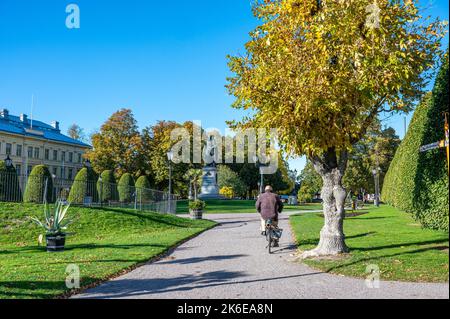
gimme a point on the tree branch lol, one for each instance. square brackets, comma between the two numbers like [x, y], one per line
[369, 119]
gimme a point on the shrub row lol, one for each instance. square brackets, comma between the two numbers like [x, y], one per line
[87, 184]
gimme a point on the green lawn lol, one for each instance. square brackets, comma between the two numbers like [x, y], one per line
[237, 206]
[105, 243]
[385, 237]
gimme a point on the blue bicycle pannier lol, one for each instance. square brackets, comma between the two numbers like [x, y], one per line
[277, 233]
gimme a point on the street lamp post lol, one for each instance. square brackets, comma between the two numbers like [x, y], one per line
[261, 173]
[376, 177]
[261, 182]
[170, 158]
[100, 179]
[9, 165]
[8, 162]
[56, 189]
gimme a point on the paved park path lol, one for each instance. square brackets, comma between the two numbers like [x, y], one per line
[230, 262]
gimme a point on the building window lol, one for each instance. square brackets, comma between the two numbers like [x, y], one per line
[55, 155]
[30, 152]
[70, 157]
[63, 156]
[19, 150]
[70, 177]
[19, 169]
[55, 171]
[8, 148]
[79, 158]
[29, 169]
[47, 154]
[36, 152]
[63, 175]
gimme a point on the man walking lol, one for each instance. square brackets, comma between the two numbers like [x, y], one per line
[269, 205]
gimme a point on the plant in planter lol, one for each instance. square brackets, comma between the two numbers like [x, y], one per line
[196, 208]
[55, 224]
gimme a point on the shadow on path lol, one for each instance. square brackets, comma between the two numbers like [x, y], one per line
[135, 287]
[195, 260]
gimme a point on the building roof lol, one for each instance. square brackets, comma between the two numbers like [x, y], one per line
[21, 125]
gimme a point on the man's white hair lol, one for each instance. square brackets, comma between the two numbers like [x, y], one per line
[269, 188]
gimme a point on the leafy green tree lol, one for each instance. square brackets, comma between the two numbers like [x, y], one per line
[84, 185]
[158, 139]
[375, 150]
[250, 175]
[310, 183]
[39, 182]
[194, 177]
[228, 178]
[117, 146]
[280, 180]
[126, 188]
[321, 72]
[106, 186]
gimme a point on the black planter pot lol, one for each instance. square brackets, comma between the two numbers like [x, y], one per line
[55, 243]
[196, 214]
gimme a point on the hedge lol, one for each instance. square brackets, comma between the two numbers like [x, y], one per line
[106, 186]
[418, 182]
[84, 185]
[126, 188]
[143, 191]
[36, 185]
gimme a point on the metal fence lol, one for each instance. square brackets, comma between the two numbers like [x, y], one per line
[13, 188]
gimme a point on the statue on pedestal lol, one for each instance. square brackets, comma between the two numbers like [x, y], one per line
[210, 189]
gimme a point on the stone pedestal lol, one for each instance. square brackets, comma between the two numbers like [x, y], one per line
[210, 189]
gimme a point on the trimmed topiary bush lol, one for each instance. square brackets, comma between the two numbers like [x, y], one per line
[399, 182]
[84, 186]
[431, 206]
[36, 185]
[126, 188]
[9, 184]
[143, 192]
[106, 186]
[418, 182]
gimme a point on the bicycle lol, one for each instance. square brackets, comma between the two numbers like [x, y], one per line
[272, 234]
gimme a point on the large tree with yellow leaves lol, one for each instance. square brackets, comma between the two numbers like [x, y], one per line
[321, 72]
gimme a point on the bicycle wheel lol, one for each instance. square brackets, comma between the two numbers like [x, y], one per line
[270, 239]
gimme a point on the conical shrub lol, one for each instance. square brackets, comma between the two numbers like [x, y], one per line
[84, 186]
[39, 182]
[126, 188]
[106, 186]
[143, 192]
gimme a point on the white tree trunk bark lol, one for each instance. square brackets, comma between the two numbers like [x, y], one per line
[332, 238]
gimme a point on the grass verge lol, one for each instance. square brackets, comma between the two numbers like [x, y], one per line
[385, 237]
[106, 242]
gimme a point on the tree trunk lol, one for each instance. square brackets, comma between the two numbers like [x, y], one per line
[332, 238]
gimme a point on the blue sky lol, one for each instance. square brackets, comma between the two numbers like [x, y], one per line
[164, 60]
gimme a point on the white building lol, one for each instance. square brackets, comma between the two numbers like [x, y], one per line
[29, 142]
